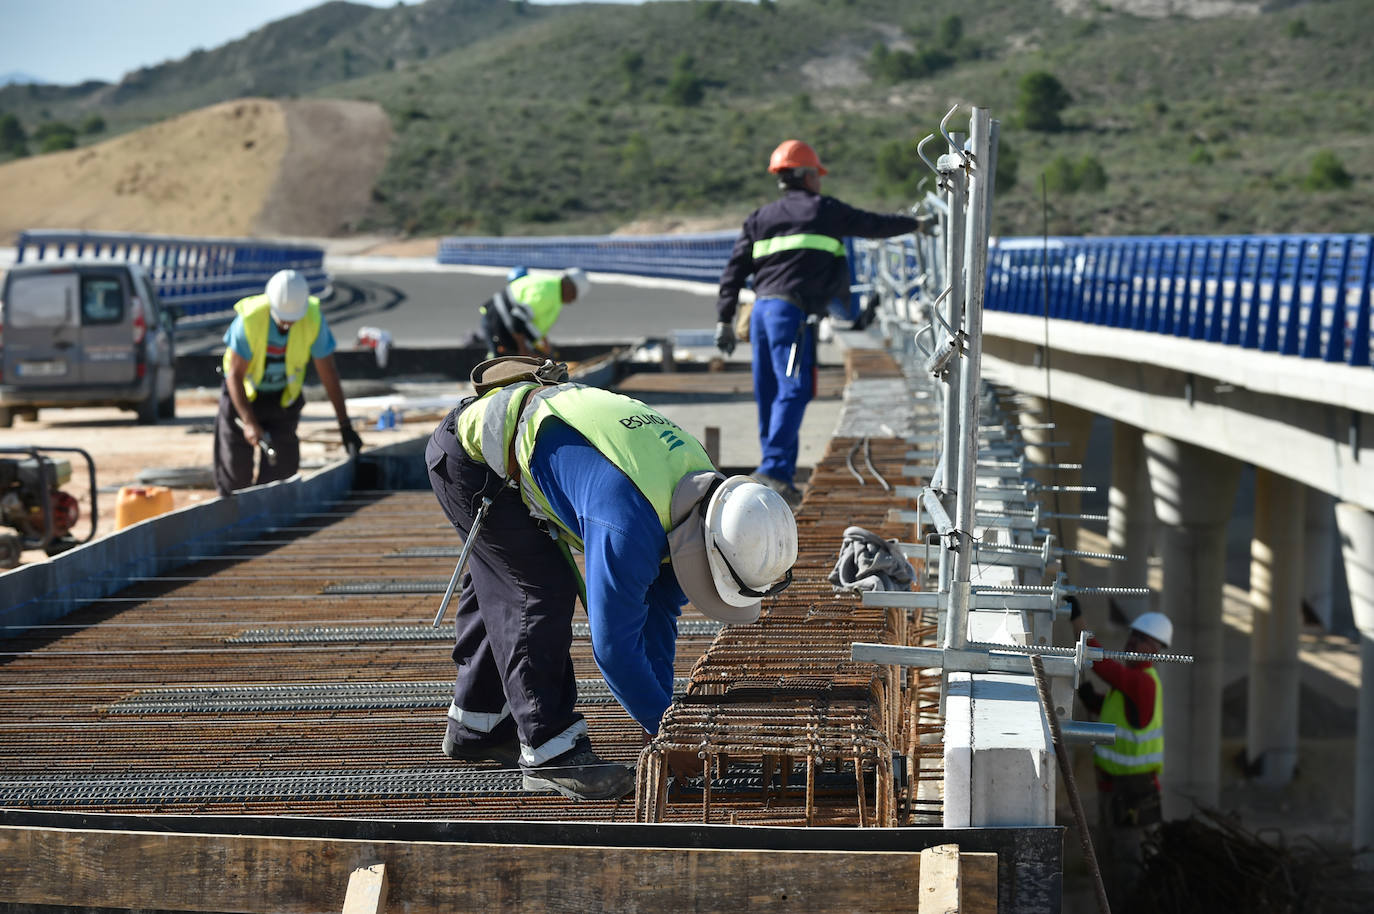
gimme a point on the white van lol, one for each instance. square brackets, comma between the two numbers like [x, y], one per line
[84, 333]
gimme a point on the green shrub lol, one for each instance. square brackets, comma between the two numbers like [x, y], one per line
[1042, 96]
[1327, 173]
[1298, 29]
[1200, 156]
[93, 124]
[1060, 175]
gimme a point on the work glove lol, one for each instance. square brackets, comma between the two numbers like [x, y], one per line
[725, 337]
[351, 442]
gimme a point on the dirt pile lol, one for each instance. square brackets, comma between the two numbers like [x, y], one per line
[244, 167]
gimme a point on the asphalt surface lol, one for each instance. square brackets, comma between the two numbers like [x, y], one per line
[432, 306]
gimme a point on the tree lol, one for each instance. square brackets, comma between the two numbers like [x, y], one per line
[13, 140]
[93, 124]
[950, 33]
[685, 88]
[1041, 99]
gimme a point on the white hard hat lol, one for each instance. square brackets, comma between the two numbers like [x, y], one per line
[289, 295]
[1155, 625]
[579, 279]
[740, 548]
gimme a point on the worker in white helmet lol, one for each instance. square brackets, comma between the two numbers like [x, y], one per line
[1128, 770]
[517, 320]
[658, 526]
[268, 346]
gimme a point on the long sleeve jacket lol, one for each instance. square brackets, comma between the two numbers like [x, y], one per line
[806, 276]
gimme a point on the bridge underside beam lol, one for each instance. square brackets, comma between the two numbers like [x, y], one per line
[1328, 447]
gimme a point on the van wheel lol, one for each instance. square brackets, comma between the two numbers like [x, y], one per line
[147, 409]
[167, 409]
[6, 418]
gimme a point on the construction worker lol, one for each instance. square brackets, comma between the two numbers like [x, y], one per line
[570, 466]
[517, 320]
[794, 249]
[1128, 770]
[267, 348]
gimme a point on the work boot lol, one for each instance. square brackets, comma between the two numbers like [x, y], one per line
[790, 493]
[504, 751]
[581, 774]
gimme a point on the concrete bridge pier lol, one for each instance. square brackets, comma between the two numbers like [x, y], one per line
[1276, 586]
[1130, 517]
[1071, 425]
[1193, 493]
[1356, 526]
[1319, 554]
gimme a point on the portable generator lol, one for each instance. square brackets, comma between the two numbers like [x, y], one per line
[33, 504]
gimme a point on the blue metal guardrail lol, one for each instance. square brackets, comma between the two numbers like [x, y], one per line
[1302, 295]
[696, 257]
[198, 277]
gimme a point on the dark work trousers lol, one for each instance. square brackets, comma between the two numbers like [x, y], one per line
[514, 627]
[233, 463]
[774, 326]
[497, 336]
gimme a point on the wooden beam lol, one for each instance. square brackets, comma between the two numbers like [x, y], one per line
[366, 890]
[940, 883]
[193, 872]
[953, 882]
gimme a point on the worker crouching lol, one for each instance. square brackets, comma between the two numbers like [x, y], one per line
[566, 466]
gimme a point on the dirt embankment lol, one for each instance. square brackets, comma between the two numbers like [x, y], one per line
[240, 168]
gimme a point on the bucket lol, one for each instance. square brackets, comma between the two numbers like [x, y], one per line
[136, 503]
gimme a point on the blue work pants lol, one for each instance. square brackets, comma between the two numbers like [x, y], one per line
[514, 620]
[774, 327]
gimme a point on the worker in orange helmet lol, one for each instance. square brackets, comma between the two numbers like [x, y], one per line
[794, 249]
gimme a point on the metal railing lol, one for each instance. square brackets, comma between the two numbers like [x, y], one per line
[195, 277]
[699, 257]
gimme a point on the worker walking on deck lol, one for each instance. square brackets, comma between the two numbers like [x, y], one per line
[268, 346]
[794, 249]
[1128, 770]
[517, 320]
[568, 466]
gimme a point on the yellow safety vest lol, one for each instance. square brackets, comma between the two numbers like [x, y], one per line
[544, 298]
[651, 450]
[1136, 751]
[256, 312]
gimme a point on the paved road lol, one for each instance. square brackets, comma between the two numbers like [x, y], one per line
[439, 308]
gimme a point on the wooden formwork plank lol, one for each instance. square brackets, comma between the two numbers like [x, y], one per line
[191, 872]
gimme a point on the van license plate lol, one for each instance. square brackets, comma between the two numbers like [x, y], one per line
[52, 369]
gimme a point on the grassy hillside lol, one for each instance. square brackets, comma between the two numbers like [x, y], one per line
[527, 119]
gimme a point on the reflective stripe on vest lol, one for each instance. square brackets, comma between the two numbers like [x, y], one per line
[1136, 750]
[798, 242]
[544, 298]
[256, 312]
[651, 450]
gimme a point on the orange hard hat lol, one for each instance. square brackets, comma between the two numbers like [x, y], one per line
[794, 154]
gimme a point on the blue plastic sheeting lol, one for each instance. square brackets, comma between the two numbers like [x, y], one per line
[1303, 295]
[196, 277]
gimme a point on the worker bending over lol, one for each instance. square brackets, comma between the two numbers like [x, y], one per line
[517, 320]
[268, 346]
[1128, 770]
[570, 466]
[794, 249]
